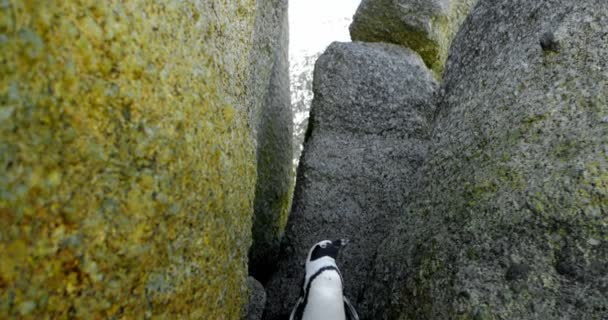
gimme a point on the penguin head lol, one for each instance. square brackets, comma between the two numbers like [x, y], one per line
[326, 250]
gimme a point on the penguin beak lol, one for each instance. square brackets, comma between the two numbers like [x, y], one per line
[340, 243]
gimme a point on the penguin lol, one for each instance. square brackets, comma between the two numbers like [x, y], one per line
[321, 296]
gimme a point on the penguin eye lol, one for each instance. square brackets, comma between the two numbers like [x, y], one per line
[323, 245]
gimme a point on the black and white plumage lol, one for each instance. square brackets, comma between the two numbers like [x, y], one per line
[321, 296]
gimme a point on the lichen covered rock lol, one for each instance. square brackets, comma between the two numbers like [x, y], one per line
[426, 26]
[509, 220]
[370, 121]
[273, 125]
[127, 166]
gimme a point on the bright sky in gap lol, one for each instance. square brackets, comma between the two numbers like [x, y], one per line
[314, 24]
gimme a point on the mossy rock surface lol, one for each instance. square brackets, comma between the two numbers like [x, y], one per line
[509, 219]
[272, 120]
[127, 164]
[426, 26]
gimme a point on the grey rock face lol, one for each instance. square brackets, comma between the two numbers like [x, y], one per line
[509, 219]
[367, 136]
[426, 26]
[257, 300]
[273, 125]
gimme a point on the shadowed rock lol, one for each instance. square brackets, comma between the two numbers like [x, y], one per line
[273, 126]
[257, 300]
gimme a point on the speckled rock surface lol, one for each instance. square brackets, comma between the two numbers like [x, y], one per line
[426, 26]
[273, 124]
[369, 121]
[127, 164]
[257, 300]
[509, 220]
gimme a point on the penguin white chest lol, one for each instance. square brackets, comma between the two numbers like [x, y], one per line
[325, 300]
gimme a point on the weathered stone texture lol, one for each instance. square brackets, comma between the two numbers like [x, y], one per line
[257, 300]
[127, 163]
[366, 138]
[273, 124]
[509, 219]
[426, 26]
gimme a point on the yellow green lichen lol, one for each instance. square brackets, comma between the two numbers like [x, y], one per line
[429, 34]
[443, 29]
[127, 166]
